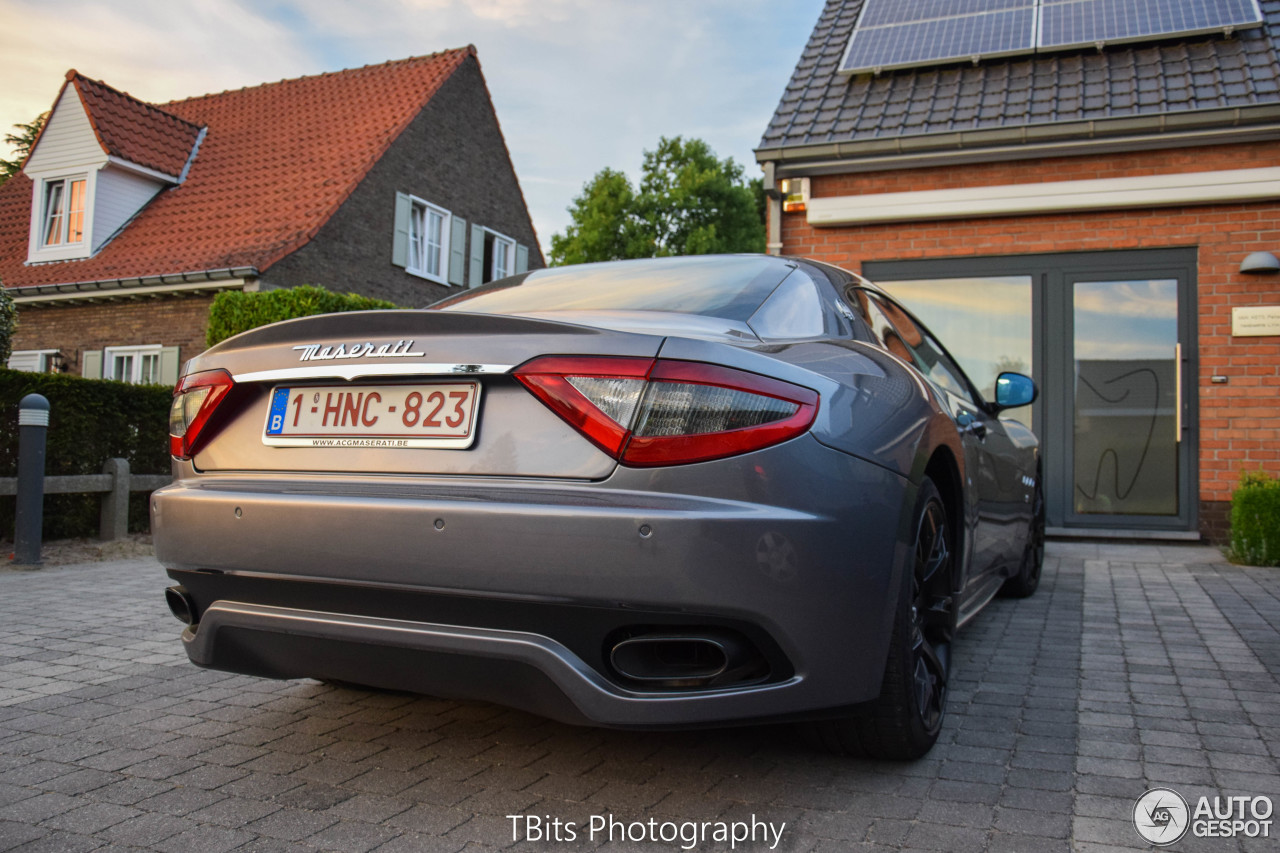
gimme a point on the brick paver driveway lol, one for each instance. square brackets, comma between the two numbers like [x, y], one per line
[1133, 667]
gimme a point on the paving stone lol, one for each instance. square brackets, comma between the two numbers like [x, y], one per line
[58, 841]
[145, 830]
[353, 837]
[291, 824]
[1119, 674]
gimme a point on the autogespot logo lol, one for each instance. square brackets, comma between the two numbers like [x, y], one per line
[1161, 816]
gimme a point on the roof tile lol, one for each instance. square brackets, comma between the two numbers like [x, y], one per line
[134, 130]
[276, 162]
[1202, 72]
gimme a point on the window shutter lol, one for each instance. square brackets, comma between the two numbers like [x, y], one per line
[457, 250]
[400, 242]
[475, 276]
[169, 366]
[91, 364]
[522, 258]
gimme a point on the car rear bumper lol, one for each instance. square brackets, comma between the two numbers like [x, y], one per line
[520, 669]
[514, 592]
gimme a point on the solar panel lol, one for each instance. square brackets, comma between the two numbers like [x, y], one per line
[1075, 23]
[877, 13]
[905, 33]
[934, 40]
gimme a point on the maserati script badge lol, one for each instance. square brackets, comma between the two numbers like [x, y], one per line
[317, 352]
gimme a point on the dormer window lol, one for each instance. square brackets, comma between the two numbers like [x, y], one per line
[63, 220]
[101, 157]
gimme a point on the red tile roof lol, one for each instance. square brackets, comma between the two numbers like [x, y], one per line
[134, 130]
[275, 164]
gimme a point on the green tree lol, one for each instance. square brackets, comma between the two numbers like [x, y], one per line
[689, 203]
[21, 142]
[605, 227]
[693, 204]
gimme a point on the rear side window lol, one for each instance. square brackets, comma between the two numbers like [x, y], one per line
[911, 342]
[731, 288]
[794, 311]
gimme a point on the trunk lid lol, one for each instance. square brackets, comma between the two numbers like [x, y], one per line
[325, 357]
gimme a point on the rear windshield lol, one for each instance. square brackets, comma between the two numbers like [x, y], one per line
[731, 288]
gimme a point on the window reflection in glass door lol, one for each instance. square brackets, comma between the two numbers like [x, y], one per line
[1125, 437]
[984, 322]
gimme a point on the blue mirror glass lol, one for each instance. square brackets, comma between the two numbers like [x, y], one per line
[1014, 389]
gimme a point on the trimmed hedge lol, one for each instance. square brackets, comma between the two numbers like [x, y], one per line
[8, 323]
[235, 311]
[90, 421]
[1255, 520]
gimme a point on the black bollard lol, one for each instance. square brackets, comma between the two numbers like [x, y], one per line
[33, 426]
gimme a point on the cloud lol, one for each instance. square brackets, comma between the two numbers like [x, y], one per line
[1155, 299]
[155, 50]
[578, 85]
[984, 297]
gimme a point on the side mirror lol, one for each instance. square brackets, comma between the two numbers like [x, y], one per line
[1013, 390]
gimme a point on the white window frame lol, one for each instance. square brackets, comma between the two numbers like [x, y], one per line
[420, 210]
[38, 251]
[40, 356]
[110, 354]
[65, 186]
[498, 241]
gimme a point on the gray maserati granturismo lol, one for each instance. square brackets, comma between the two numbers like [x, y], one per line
[641, 494]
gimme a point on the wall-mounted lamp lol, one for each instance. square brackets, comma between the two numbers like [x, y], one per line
[795, 194]
[57, 363]
[1260, 263]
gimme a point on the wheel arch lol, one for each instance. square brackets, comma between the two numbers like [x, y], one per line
[943, 469]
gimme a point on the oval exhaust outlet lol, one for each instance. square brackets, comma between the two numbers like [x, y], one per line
[673, 660]
[181, 604]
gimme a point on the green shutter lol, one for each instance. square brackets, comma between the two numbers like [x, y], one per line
[400, 242]
[522, 258]
[91, 364]
[457, 250]
[475, 277]
[169, 365]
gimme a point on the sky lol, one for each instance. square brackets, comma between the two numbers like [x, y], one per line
[578, 85]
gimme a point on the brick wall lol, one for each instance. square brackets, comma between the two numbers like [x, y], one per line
[73, 328]
[1239, 421]
[453, 155]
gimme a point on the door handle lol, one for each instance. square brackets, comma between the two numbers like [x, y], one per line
[1177, 392]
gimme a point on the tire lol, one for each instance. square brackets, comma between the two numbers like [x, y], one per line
[903, 722]
[1027, 580]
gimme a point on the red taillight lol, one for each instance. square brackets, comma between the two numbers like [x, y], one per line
[194, 400]
[650, 412]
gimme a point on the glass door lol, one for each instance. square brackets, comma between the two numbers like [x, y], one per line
[1109, 339]
[1124, 361]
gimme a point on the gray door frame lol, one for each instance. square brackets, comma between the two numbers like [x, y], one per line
[1052, 320]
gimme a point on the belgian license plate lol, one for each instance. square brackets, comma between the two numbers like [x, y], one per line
[441, 415]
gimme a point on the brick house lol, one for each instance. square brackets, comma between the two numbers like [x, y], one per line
[1083, 213]
[391, 181]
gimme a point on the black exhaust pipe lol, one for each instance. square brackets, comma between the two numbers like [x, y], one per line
[685, 659]
[181, 604]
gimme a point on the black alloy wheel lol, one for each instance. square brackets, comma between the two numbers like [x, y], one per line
[931, 616]
[904, 721]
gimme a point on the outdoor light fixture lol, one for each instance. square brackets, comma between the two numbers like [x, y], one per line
[795, 194]
[1260, 263]
[57, 362]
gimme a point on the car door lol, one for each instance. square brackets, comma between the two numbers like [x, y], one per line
[988, 452]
